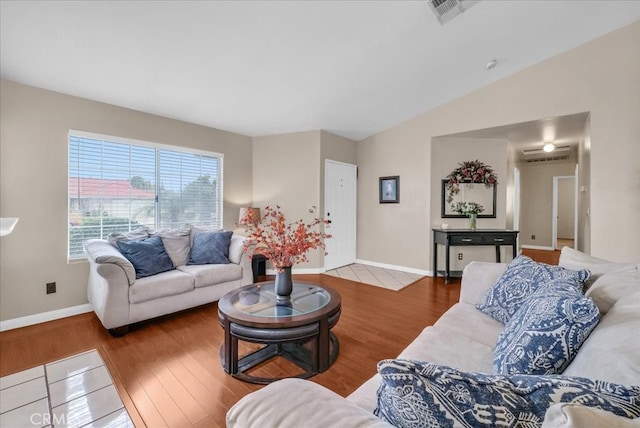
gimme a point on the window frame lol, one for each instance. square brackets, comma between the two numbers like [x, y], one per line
[157, 147]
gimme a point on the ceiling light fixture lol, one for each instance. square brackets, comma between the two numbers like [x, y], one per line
[491, 64]
[549, 147]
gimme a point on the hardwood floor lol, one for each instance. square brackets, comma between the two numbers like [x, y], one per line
[168, 371]
[543, 256]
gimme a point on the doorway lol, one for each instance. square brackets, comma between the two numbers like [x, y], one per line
[340, 209]
[564, 220]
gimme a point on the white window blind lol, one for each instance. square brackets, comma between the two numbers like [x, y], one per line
[116, 185]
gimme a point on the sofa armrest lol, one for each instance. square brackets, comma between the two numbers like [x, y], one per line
[477, 278]
[100, 251]
[299, 403]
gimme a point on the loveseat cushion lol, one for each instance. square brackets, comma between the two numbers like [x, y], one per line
[521, 279]
[161, 285]
[206, 275]
[413, 393]
[546, 332]
[210, 248]
[147, 256]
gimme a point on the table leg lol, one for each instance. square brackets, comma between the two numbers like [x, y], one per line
[515, 251]
[435, 257]
[320, 356]
[447, 271]
[497, 253]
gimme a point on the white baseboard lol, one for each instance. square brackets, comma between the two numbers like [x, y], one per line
[395, 267]
[536, 247]
[44, 317]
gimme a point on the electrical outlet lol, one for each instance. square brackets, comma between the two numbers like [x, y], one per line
[51, 287]
[533, 236]
[459, 256]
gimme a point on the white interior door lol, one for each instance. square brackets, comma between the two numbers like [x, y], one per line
[340, 209]
[564, 209]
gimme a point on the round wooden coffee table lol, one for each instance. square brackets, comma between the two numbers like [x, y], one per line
[298, 330]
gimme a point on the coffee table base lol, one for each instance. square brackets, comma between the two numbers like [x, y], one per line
[292, 351]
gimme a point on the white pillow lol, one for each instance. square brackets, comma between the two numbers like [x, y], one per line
[576, 260]
[610, 287]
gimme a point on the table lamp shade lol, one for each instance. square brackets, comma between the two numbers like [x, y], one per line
[249, 215]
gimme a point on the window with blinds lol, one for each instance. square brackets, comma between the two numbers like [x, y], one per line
[118, 185]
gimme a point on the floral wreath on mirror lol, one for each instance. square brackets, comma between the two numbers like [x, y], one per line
[470, 172]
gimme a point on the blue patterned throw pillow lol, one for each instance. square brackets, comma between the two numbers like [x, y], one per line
[521, 279]
[414, 394]
[546, 332]
[147, 256]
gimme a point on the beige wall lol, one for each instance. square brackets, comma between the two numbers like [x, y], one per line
[288, 170]
[536, 196]
[601, 77]
[33, 158]
[446, 154]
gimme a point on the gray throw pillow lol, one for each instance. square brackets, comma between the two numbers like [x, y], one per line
[147, 256]
[178, 244]
[210, 248]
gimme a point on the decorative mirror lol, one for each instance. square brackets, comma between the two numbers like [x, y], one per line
[470, 192]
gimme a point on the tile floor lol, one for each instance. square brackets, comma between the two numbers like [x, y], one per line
[73, 392]
[381, 277]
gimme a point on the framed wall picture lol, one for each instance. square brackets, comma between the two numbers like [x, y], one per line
[390, 190]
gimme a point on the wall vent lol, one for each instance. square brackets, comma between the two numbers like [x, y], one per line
[446, 10]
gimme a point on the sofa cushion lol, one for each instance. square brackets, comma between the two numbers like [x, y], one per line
[313, 405]
[463, 319]
[147, 256]
[564, 415]
[413, 393]
[612, 351]
[206, 275]
[177, 242]
[210, 248]
[546, 332]
[164, 284]
[519, 281]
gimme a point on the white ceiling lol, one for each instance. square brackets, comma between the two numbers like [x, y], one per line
[267, 67]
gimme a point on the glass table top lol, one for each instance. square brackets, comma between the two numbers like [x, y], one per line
[260, 300]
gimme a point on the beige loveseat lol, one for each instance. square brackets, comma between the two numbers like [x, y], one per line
[464, 338]
[119, 299]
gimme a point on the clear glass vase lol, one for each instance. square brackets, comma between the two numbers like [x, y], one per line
[472, 221]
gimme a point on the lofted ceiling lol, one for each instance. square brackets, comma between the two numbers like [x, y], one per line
[352, 68]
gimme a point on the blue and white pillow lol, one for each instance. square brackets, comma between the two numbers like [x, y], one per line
[147, 256]
[521, 279]
[546, 332]
[414, 394]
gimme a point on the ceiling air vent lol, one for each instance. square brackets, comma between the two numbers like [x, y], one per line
[446, 10]
[548, 159]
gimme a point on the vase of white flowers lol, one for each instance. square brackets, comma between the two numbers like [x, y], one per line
[470, 209]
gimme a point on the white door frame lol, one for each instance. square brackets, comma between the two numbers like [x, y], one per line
[516, 204]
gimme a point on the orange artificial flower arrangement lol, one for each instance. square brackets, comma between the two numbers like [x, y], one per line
[285, 244]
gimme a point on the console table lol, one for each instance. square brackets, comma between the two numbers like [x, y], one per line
[466, 237]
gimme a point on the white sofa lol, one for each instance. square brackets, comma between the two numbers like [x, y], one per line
[464, 338]
[119, 299]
